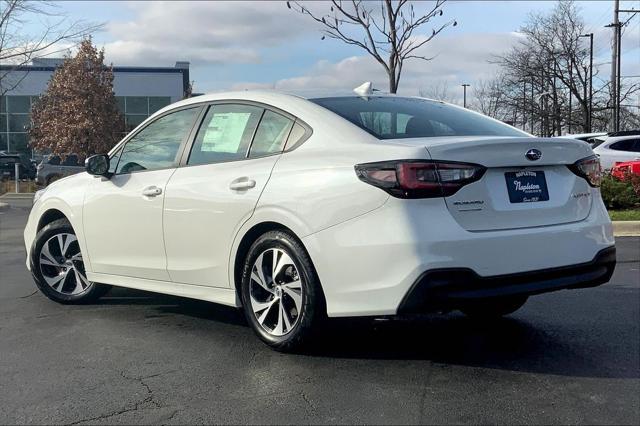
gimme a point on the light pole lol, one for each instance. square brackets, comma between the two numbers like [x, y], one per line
[464, 88]
[590, 118]
[616, 66]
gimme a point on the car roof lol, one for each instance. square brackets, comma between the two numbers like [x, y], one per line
[290, 102]
[266, 95]
[582, 135]
[635, 132]
[620, 138]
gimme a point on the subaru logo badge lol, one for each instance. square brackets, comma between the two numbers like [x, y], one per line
[533, 155]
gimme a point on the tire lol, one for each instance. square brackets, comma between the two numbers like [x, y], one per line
[494, 307]
[281, 319]
[62, 280]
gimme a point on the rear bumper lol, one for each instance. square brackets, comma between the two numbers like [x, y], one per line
[451, 288]
[368, 265]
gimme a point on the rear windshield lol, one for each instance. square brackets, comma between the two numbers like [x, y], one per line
[388, 117]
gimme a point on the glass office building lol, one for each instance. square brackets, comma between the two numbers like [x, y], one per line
[140, 91]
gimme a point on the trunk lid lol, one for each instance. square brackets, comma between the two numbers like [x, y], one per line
[512, 194]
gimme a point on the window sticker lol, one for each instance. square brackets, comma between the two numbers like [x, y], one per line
[224, 132]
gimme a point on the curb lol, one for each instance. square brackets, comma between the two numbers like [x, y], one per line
[628, 228]
[17, 196]
[4, 206]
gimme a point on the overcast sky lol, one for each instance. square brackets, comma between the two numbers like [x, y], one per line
[264, 44]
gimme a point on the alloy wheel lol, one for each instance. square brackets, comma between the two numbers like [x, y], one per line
[61, 264]
[276, 292]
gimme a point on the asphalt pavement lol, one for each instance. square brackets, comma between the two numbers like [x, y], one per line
[567, 357]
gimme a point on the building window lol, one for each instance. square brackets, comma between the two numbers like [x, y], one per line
[19, 122]
[137, 108]
[120, 101]
[18, 143]
[137, 105]
[15, 117]
[19, 104]
[14, 122]
[132, 121]
[157, 103]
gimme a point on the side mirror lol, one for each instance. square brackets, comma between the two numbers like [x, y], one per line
[97, 165]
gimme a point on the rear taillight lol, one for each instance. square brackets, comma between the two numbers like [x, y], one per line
[589, 169]
[419, 178]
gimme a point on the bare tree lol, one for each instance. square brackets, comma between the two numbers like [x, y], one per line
[388, 29]
[546, 76]
[490, 98]
[18, 47]
[438, 90]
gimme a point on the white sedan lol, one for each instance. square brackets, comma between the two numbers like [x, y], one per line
[590, 138]
[300, 208]
[617, 148]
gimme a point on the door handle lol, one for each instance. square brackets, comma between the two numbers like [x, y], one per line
[151, 191]
[242, 183]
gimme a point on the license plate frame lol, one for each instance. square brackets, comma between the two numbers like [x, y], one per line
[527, 186]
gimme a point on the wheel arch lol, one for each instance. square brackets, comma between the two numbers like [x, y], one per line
[50, 209]
[248, 238]
[50, 215]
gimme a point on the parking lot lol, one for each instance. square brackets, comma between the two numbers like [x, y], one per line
[135, 357]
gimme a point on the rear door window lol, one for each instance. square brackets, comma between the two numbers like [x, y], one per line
[271, 134]
[297, 136]
[225, 133]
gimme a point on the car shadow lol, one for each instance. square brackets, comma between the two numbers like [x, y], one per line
[166, 305]
[509, 343]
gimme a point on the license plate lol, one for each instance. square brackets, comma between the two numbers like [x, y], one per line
[527, 186]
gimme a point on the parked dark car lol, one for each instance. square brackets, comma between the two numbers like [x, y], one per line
[53, 168]
[7, 167]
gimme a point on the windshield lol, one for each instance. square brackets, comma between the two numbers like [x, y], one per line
[388, 117]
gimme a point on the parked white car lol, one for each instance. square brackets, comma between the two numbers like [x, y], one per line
[591, 138]
[299, 208]
[618, 147]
